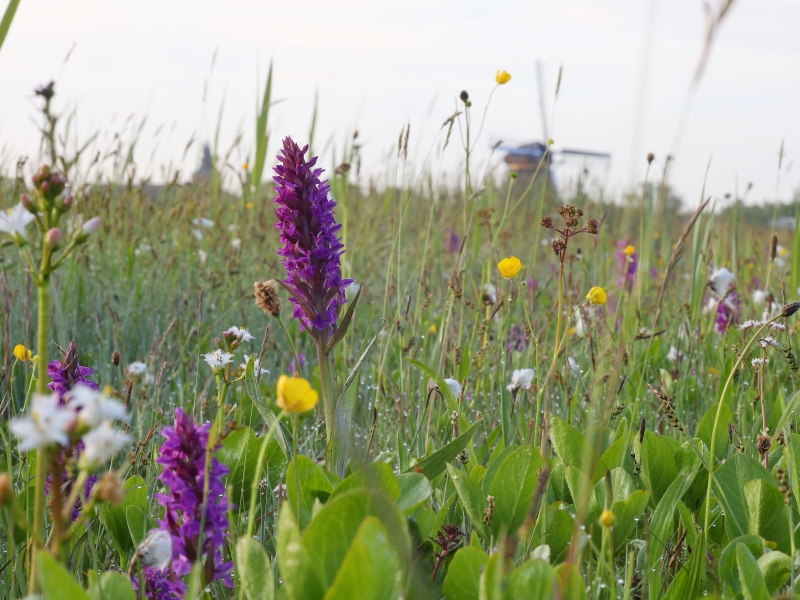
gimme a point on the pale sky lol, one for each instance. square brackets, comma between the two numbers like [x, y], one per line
[380, 65]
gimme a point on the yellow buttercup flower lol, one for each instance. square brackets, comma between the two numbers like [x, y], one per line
[607, 519]
[295, 394]
[510, 267]
[630, 250]
[432, 329]
[249, 206]
[22, 353]
[502, 77]
[596, 295]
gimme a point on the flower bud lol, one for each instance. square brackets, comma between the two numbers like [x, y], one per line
[91, 226]
[607, 519]
[6, 489]
[54, 236]
[28, 203]
[650, 158]
[464, 96]
[45, 188]
[67, 204]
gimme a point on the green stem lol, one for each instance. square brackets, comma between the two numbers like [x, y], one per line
[337, 430]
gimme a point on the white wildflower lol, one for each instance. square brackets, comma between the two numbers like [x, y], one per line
[256, 365]
[758, 361]
[13, 221]
[455, 387]
[674, 355]
[203, 256]
[721, 281]
[93, 407]
[750, 324]
[47, 424]
[203, 222]
[156, 549]
[521, 379]
[759, 297]
[781, 254]
[198, 234]
[490, 292]
[101, 444]
[573, 365]
[768, 341]
[775, 326]
[236, 243]
[241, 334]
[137, 368]
[218, 359]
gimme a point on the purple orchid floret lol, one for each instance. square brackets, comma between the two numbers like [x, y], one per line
[67, 373]
[727, 311]
[159, 585]
[311, 248]
[183, 456]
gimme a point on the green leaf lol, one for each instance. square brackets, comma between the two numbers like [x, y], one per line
[300, 574]
[558, 532]
[729, 568]
[750, 577]
[494, 466]
[583, 495]
[8, 16]
[490, 584]
[312, 484]
[571, 446]
[729, 480]
[336, 525]
[706, 428]
[767, 513]
[58, 583]
[658, 466]
[414, 490]
[776, 568]
[194, 589]
[688, 583]
[431, 466]
[375, 476]
[570, 583]
[472, 499]
[112, 586]
[239, 452]
[534, 579]
[616, 456]
[115, 519]
[463, 577]
[138, 525]
[251, 385]
[371, 569]
[627, 513]
[449, 398]
[255, 570]
[661, 523]
[513, 488]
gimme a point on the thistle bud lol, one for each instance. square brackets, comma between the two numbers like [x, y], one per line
[6, 489]
[513, 174]
[790, 308]
[91, 226]
[54, 236]
[267, 297]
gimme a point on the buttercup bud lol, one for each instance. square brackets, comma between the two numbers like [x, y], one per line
[607, 519]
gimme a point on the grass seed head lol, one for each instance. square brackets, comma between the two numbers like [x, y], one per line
[267, 297]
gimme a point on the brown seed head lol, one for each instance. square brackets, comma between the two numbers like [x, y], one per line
[110, 489]
[547, 222]
[115, 358]
[592, 226]
[790, 308]
[650, 157]
[773, 248]
[6, 489]
[267, 297]
[464, 96]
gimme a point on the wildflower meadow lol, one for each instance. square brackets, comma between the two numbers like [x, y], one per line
[280, 382]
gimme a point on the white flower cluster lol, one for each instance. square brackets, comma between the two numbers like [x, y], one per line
[87, 415]
[759, 361]
[753, 324]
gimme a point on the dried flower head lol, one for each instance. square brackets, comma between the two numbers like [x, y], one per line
[267, 297]
[790, 308]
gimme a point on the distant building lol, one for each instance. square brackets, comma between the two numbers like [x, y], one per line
[202, 177]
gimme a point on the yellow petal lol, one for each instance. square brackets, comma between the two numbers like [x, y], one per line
[630, 250]
[502, 77]
[295, 394]
[22, 353]
[596, 295]
[510, 267]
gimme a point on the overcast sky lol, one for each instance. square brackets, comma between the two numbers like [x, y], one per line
[380, 65]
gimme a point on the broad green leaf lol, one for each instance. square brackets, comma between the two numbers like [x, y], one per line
[706, 428]
[616, 456]
[371, 569]
[658, 466]
[312, 483]
[767, 513]
[627, 514]
[239, 452]
[114, 518]
[571, 446]
[138, 524]
[729, 480]
[375, 476]
[333, 529]
[570, 582]
[251, 385]
[583, 495]
[513, 488]
[464, 573]
[443, 515]
[622, 485]
[433, 465]
[661, 523]
[776, 568]
[750, 577]
[414, 490]
[112, 586]
[534, 579]
[559, 532]
[729, 568]
[58, 583]
[472, 499]
[491, 581]
[300, 574]
[255, 570]
[494, 465]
